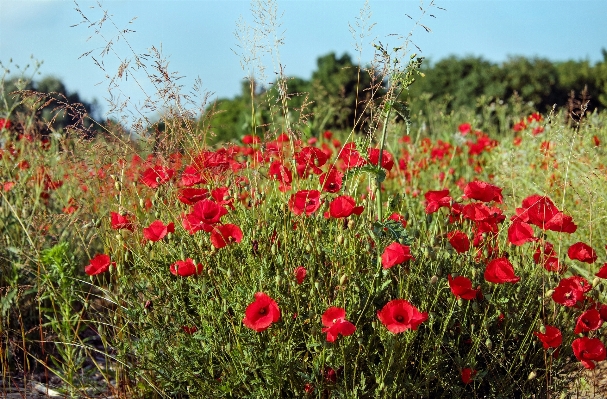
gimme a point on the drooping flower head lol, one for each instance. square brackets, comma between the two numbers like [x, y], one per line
[499, 271]
[334, 320]
[185, 268]
[552, 338]
[395, 254]
[99, 264]
[157, 230]
[588, 351]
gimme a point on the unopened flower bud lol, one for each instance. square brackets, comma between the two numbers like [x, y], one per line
[595, 282]
[489, 343]
[342, 279]
[433, 280]
[340, 239]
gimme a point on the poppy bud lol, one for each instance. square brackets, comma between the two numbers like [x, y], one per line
[489, 343]
[433, 280]
[543, 329]
[141, 202]
[340, 239]
[475, 307]
[316, 284]
[350, 224]
[117, 185]
[595, 282]
[549, 293]
[342, 280]
[460, 302]
[273, 249]
[278, 279]
[308, 248]
[229, 273]
[532, 375]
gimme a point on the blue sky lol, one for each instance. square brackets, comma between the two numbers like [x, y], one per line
[197, 36]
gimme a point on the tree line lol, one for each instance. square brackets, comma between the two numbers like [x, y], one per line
[335, 95]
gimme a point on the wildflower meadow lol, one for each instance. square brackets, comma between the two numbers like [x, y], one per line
[437, 254]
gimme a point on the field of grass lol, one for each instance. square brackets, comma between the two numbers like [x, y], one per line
[457, 254]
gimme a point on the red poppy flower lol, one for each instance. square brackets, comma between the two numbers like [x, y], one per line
[334, 320]
[350, 156]
[590, 320]
[464, 128]
[342, 207]
[436, 200]
[309, 160]
[571, 290]
[204, 215]
[482, 191]
[602, 273]
[300, 274]
[157, 230]
[122, 221]
[542, 212]
[459, 241]
[500, 271]
[191, 177]
[261, 313]
[331, 181]
[547, 257]
[588, 351]
[399, 315]
[190, 196]
[156, 176]
[282, 174]
[552, 338]
[387, 162]
[398, 218]
[5, 124]
[582, 252]
[395, 254]
[520, 233]
[225, 234]
[189, 329]
[185, 268]
[250, 139]
[461, 287]
[305, 201]
[467, 375]
[99, 264]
